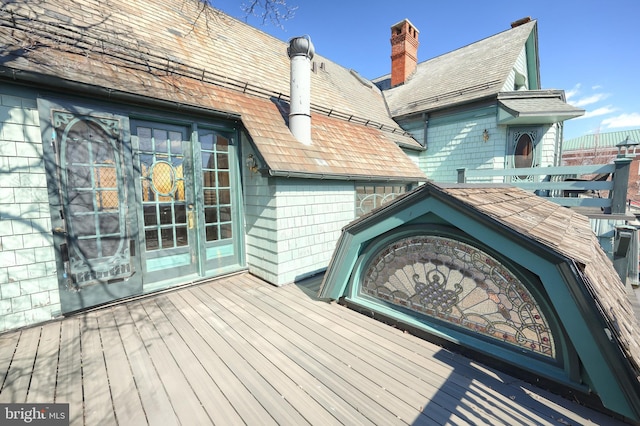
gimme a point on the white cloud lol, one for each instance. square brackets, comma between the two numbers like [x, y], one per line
[588, 100]
[572, 92]
[622, 120]
[597, 112]
[596, 87]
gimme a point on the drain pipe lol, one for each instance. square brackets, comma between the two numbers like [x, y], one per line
[300, 53]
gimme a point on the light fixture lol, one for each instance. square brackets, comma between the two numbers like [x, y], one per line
[485, 135]
[251, 163]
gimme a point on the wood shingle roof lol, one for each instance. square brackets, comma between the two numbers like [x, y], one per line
[578, 278]
[472, 72]
[182, 55]
[568, 233]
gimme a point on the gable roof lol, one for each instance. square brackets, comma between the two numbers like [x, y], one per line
[545, 227]
[187, 56]
[476, 71]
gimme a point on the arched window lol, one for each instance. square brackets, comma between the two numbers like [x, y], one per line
[455, 283]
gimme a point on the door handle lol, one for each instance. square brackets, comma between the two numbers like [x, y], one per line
[59, 230]
[191, 220]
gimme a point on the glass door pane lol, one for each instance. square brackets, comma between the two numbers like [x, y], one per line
[216, 150]
[167, 202]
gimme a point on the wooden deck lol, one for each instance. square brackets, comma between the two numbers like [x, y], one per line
[239, 351]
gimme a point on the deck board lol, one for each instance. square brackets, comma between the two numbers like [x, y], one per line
[69, 378]
[155, 401]
[264, 392]
[43, 379]
[239, 351]
[379, 373]
[124, 394]
[8, 344]
[167, 352]
[334, 358]
[96, 391]
[218, 362]
[296, 360]
[453, 373]
[263, 356]
[492, 387]
[422, 373]
[19, 376]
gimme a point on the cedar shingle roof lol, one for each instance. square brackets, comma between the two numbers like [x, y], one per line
[169, 51]
[542, 228]
[554, 228]
[472, 72]
[568, 233]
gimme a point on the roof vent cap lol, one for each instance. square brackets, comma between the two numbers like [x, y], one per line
[301, 46]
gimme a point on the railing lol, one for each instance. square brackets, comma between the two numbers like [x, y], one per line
[563, 184]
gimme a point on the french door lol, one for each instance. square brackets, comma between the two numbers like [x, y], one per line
[186, 191]
[138, 205]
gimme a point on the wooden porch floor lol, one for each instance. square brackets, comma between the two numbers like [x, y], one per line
[240, 351]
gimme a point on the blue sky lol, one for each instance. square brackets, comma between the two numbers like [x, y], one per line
[589, 48]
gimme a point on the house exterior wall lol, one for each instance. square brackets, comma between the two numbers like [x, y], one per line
[30, 263]
[520, 66]
[28, 281]
[457, 141]
[292, 225]
[311, 215]
[417, 158]
[550, 148]
[260, 218]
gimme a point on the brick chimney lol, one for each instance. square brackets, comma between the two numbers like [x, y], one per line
[404, 51]
[521, 21]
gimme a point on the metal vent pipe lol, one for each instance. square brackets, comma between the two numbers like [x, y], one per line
[300, 53]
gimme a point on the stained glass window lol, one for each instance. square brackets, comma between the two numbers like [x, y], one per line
[370, 196]
[163, 185]
[457, 283]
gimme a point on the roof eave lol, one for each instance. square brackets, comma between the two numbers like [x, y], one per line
[405, 115]
[511, 116]
[338, 176]
[35, 79]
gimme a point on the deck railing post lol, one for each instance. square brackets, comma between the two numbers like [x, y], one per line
[620, 184]
[462, 178]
